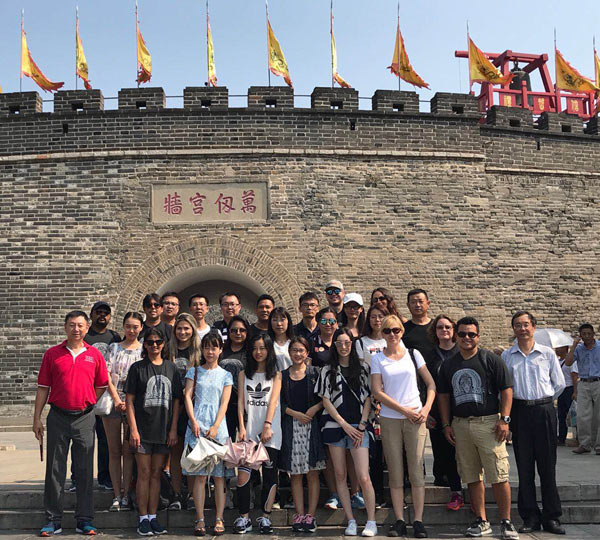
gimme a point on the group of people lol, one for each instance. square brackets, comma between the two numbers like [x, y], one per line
[344, 390]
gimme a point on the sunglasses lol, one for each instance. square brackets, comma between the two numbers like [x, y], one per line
[153, 305]
[395, 331]
[470, 335]
[328, 321]
[333, 291]
[376, 299]
[154, 342]
[237, 331]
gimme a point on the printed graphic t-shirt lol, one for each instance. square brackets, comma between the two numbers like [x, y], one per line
[154, 389]
[474, 387]
[257, 394]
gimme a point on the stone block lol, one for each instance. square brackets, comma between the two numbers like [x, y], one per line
[560, 123]
[454, 104]
[206, 97]
[395, 101]
[75, 101]
[16, 103]
[270, 97]
[142, 98]
[509, 117]
[334, 99]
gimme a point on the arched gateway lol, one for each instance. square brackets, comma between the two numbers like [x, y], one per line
[211, 265]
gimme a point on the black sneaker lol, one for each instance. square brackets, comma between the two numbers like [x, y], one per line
[479, 528]
[144, 528]
[397, 529]
[310, 523]
[264, 525]
[242, 525]
[156, 527]
[507, 530]
[419, 530]
[176, 502]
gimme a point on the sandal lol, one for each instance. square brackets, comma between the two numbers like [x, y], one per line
[219, 527]
[199, 530]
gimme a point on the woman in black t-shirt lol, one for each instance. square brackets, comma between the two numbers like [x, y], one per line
[320, 347]
[184, 352]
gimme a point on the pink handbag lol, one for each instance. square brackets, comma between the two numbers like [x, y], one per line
[245, 454]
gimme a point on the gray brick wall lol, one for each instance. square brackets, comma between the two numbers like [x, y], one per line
[488, 216]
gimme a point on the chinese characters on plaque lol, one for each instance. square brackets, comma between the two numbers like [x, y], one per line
[209, 203]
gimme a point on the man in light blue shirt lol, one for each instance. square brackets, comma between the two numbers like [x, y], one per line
[587, 356]
[537, 381]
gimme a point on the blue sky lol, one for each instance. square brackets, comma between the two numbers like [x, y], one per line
[365, 30]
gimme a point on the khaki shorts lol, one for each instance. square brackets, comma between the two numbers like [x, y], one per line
[477, 450]
[397, 434]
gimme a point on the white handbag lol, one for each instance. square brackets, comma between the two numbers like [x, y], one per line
[205, 455]
[105, 405]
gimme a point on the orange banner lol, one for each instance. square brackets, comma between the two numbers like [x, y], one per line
[482, 70]
[144, 59]
[334, 69]
[82, 66]
[29, 69]
[401, 66]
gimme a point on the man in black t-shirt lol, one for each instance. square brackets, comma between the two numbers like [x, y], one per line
[334, 292]
[308, 327]
[101, 337]
[415, 331]
[230, 305]
[468, 386]
[264, 305]
[153, 309]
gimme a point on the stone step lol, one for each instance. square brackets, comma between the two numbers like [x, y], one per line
[32, 519]
[34, 498]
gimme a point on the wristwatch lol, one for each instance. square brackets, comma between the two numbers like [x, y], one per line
[505, 419]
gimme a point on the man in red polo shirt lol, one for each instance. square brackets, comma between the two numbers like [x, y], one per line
[72, 377]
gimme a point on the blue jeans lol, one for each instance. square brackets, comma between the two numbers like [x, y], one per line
[347, 443]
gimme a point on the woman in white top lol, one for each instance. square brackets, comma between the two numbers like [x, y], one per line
[394, 381]
[281, 331]
[119, 358]
[259, 386]
[371, 342]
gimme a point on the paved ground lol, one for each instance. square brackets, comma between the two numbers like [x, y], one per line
[574, 532]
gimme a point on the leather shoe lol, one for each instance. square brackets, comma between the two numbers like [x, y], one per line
[530, 525]
[581, 450]
[553, 526]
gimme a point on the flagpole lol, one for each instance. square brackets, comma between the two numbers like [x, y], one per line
[469, 56]
[556, 90]
[331, 32]
[21, 64]
[398, 38]
[268, 67]
[76, 31]
[207, 49]
[136, 44]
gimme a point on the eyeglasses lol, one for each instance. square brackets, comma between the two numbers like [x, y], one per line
[333, 291]
[394, 331]
[312, 305]
[444, 327]
[470, 335]
[199, 304]
[229, 305]
[238, 331]
[153, 305]
[343, 343]
[376, 299]
[154, 342]
[298, 351]
[330, 322]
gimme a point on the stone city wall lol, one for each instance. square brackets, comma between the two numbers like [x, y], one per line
[489, 215]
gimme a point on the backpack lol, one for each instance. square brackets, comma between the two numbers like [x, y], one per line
[420, 382]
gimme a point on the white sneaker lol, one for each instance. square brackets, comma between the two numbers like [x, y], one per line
[370, 529]
[351, 529]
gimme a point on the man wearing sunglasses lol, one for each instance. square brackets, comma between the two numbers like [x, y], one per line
[153, 310]
[469, 384]
[334, 292]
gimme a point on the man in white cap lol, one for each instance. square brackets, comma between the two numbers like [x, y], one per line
[334, 292]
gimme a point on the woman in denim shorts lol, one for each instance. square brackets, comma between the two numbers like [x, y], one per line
[344, 387]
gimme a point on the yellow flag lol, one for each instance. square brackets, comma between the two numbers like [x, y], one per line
[482, 70]
[568, 78]
[277, 63]
[334, 70]
[144, 59]
[29, 68]
[597, 66]
[210, 51]
[401, 64]
[82, 66]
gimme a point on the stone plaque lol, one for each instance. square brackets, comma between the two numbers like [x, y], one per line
[209, 203]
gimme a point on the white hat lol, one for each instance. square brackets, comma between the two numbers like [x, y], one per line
[353, 297]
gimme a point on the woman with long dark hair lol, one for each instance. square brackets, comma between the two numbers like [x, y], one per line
[259, 387]
[153, 394]
[119, 358]
[344, 387]
[321, 346]
[184, 351]
[281, 330]
[207, 392]
[353, 314]
[383, 298]
[371, 340]
[441, 332]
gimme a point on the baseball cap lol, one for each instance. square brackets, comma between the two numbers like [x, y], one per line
[353, 297]
[334, 283]
[101, 304]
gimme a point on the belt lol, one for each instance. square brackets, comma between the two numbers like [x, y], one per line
[532, 402]
[72, 414]
[590, 379]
